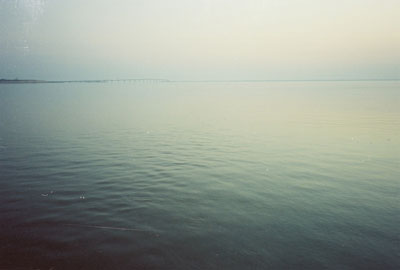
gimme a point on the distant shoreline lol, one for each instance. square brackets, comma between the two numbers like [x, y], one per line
[17, 81]
[21, 81]
[27, 81]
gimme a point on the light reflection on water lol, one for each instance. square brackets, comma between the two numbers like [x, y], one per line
[200, 175]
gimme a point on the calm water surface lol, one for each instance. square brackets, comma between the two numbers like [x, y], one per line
[274, 175]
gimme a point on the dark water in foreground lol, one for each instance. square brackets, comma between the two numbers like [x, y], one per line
[279, 175]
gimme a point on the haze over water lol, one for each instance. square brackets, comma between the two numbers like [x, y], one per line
[209, 175]
[270, 139]
[200, 39]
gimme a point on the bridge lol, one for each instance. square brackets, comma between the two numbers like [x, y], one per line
[147, 80]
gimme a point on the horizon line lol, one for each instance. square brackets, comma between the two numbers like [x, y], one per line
[287, 80]
[16, 80]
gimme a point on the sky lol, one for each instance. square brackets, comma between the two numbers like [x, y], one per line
[200, 39]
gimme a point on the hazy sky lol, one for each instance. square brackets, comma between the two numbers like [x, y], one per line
[200, 39]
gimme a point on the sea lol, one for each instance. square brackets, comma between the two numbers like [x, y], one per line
[200, 175]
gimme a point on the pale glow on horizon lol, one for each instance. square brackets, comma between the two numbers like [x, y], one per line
[206, 39]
